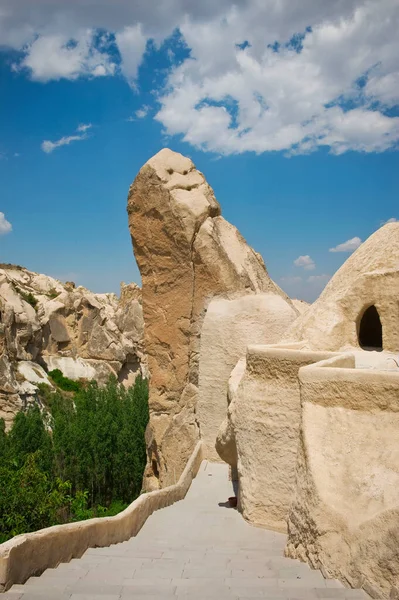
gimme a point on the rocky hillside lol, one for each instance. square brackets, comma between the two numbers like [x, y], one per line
[46, 325]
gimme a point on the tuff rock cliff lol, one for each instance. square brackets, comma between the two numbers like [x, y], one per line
[46, 325]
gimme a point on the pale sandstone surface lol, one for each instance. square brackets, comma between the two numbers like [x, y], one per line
[187, 255]
[229, 326]
[382, 361]
[344, 515]
[225, 444]
[301, 305]
[260, 436]
[370, 276]
[85, 335]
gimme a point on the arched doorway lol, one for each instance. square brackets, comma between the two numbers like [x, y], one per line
[370, 330]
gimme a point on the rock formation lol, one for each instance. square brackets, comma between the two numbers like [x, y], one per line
[300, 305]
[228, 327]
[206, 294]
[345, 515]
[312, 427]
[369, 278]
[46, 325]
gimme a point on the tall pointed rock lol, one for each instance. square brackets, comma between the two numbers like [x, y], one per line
[206, 295]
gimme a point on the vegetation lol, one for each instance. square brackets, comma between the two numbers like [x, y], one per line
[28, 297]
[83, 457]
[53, 293]
[64, 383]
[45, 393]
[11, 266]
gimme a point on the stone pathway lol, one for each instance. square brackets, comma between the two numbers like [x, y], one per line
[194, 549]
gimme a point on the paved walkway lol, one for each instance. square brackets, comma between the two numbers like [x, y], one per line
[194, 549]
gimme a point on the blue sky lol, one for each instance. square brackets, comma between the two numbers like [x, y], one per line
[299, 141]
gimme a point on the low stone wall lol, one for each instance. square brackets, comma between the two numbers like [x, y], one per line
[264, 418]
[32, 553]
[344, 518]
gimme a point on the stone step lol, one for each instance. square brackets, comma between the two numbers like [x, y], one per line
[194, 549]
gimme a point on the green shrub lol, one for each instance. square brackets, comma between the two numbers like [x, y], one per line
[64, 383]
[53, 293]
[28, 297]
[45, 393]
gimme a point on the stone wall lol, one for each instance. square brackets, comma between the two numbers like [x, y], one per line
[263, 424]
[345, 512]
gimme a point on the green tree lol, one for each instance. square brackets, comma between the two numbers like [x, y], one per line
[82, 457]
[29, 435]
[3, 440]
[29, 499]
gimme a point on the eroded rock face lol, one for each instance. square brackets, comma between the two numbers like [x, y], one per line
[188, 255]
[301, 305]
[44, 323]
[228, 328]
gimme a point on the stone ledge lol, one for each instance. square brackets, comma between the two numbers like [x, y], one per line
[32, 553]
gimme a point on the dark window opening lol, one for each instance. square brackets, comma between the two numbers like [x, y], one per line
[370, 330]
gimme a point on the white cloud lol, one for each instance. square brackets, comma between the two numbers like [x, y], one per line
[384, 88]
[334, 88]
[84, 127]
[348, 246]
[6, 155]
[391, 220]
[229, 100]
[48, 146]
[304, 288]
[291, 280]
[19, 24]
[5, 226]
[142, 112]
[319, 278]
[306, 262]
[56, 56]
[131, 44]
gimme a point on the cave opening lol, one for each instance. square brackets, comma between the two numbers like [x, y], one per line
[370, 330]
